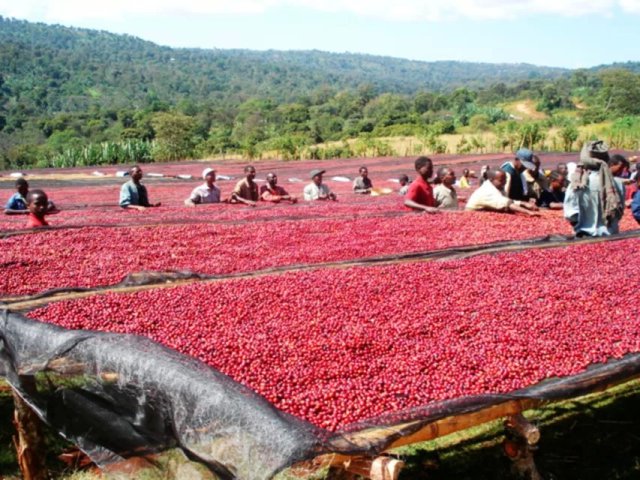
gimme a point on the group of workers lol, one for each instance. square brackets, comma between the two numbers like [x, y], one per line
[591, 192]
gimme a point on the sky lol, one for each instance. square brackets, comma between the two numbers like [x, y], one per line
[562, 33]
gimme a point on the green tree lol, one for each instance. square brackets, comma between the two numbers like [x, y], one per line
[568, 135]
[620, 94]
[173, 135]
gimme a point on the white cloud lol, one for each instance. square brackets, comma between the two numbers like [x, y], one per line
[69, 11]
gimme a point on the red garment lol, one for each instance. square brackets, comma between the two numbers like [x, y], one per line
[421, 192]
[269, 195]
[34, 222]
[630, 190]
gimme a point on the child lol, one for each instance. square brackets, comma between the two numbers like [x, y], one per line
[38, 206]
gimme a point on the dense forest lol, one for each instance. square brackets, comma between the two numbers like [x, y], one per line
[72, 96]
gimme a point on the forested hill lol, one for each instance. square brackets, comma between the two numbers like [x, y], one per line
[59, 69]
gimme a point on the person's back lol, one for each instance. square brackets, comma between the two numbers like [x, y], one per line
[515, 188]
[586, 203]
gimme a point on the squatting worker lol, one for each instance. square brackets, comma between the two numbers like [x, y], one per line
[208, 192]
[272, 192]
[420, 194]
[362, 184]
[317, 190]
[490, 196]
[246, 190]
[133, 194]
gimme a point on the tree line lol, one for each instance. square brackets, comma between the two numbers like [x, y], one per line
[73, 97]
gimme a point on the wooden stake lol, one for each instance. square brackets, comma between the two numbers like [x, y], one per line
[523, 428]
[29, 441]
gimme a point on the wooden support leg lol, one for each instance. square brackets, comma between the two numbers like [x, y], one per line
[520, 444]
[29, 441]
[379, 468]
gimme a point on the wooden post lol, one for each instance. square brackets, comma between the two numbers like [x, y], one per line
[379, 468]
[523, 428]
[520, 444]
[29, 441]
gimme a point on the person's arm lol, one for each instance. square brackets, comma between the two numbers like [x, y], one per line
[410, 201]
[267, 196]
[418, 206]
[635, 206]
[11, 211]
[238, 198]
[328, 194]
[12, 207]
[284, 195]
[193, 200]
[523, 207]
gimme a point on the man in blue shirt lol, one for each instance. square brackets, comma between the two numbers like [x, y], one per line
[133, 194]
[17, 204]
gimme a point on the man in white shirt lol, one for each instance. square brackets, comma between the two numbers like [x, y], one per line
[490, 196]
[317, 190]
[208, 192]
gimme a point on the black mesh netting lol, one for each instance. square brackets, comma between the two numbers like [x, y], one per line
[122, 396]
[118, 396]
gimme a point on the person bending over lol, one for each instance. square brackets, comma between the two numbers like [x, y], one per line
[490, 196]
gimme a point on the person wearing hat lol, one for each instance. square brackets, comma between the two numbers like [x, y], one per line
[246, 190]
[594, 201]
[133, 194]
[208, 192]
[317, 190]
[516, 185]
[272, 192]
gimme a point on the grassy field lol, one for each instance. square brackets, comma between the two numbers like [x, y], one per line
[593, 437]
